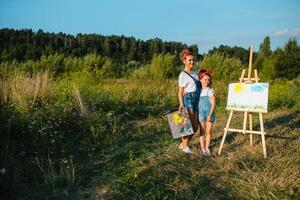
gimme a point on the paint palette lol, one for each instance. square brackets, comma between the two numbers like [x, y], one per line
[180, 123]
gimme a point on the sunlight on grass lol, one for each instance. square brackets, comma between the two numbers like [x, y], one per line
[115, 133]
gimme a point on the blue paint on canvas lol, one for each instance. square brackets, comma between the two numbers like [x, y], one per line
[260, 87]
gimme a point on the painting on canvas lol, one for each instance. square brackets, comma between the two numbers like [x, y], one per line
[248, 97]
[180, 123]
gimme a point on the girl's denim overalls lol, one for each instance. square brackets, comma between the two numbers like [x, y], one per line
[204, 108]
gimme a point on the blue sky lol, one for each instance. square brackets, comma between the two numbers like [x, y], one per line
[207, 23]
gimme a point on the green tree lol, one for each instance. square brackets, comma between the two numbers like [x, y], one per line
[164, 66]
[265, 47]
[232, 52]
[222, 67]
[287, 62]
[264, 61]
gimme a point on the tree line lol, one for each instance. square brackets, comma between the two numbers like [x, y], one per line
[25, 44]
[118, 56]
[283, 62]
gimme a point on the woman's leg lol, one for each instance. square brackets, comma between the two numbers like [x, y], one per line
[185, 141]
[194, 120]
[208, 130]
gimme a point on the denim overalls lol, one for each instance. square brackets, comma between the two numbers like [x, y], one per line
[191, 99]
[204, 108]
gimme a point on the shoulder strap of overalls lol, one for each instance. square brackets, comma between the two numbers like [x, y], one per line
[191, 75]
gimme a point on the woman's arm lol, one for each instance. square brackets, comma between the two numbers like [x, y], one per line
[180, 97]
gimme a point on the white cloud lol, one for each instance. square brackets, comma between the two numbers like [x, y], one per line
[289, 33]
[281, 33]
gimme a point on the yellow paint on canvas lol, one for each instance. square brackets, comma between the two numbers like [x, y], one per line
[176, 118]
[239, 87]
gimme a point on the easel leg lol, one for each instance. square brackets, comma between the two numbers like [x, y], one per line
[245, 123]
[262, 134]
[225, 132]
[250, 128]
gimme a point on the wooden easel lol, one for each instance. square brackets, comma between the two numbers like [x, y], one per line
[262, 132]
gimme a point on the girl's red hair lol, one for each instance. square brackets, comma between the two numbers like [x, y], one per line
[205, 72]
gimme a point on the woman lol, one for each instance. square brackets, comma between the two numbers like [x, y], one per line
[188, 95]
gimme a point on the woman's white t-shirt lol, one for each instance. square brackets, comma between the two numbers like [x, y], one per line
[187, 82]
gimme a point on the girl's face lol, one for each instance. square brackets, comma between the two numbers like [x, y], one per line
[189, 61]
[205, 81]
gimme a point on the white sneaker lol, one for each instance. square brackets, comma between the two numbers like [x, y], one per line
[203, 151]
[208, 153]
[185, 149]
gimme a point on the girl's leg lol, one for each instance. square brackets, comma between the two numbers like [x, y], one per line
[202, 135]
[208, 130]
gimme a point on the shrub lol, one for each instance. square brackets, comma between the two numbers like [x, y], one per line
[223, 68]
[164, 66]
[283, 94]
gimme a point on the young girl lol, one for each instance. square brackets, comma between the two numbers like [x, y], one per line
[188, 94]
[207, 104]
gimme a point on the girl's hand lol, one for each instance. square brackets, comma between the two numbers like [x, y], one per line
[208, 119]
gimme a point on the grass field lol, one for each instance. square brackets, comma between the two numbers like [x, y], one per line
[145, 163]
[78, 137]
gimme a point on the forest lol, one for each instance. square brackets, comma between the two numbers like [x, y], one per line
[120, 55]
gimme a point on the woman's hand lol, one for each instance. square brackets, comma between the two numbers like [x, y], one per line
[180, 108]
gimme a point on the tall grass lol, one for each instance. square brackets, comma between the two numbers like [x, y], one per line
[23, 90]
[83, 110]
[108, 138]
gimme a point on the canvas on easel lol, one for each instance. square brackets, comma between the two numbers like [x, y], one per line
[248, 96]
[180, 123]
[239, 97]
